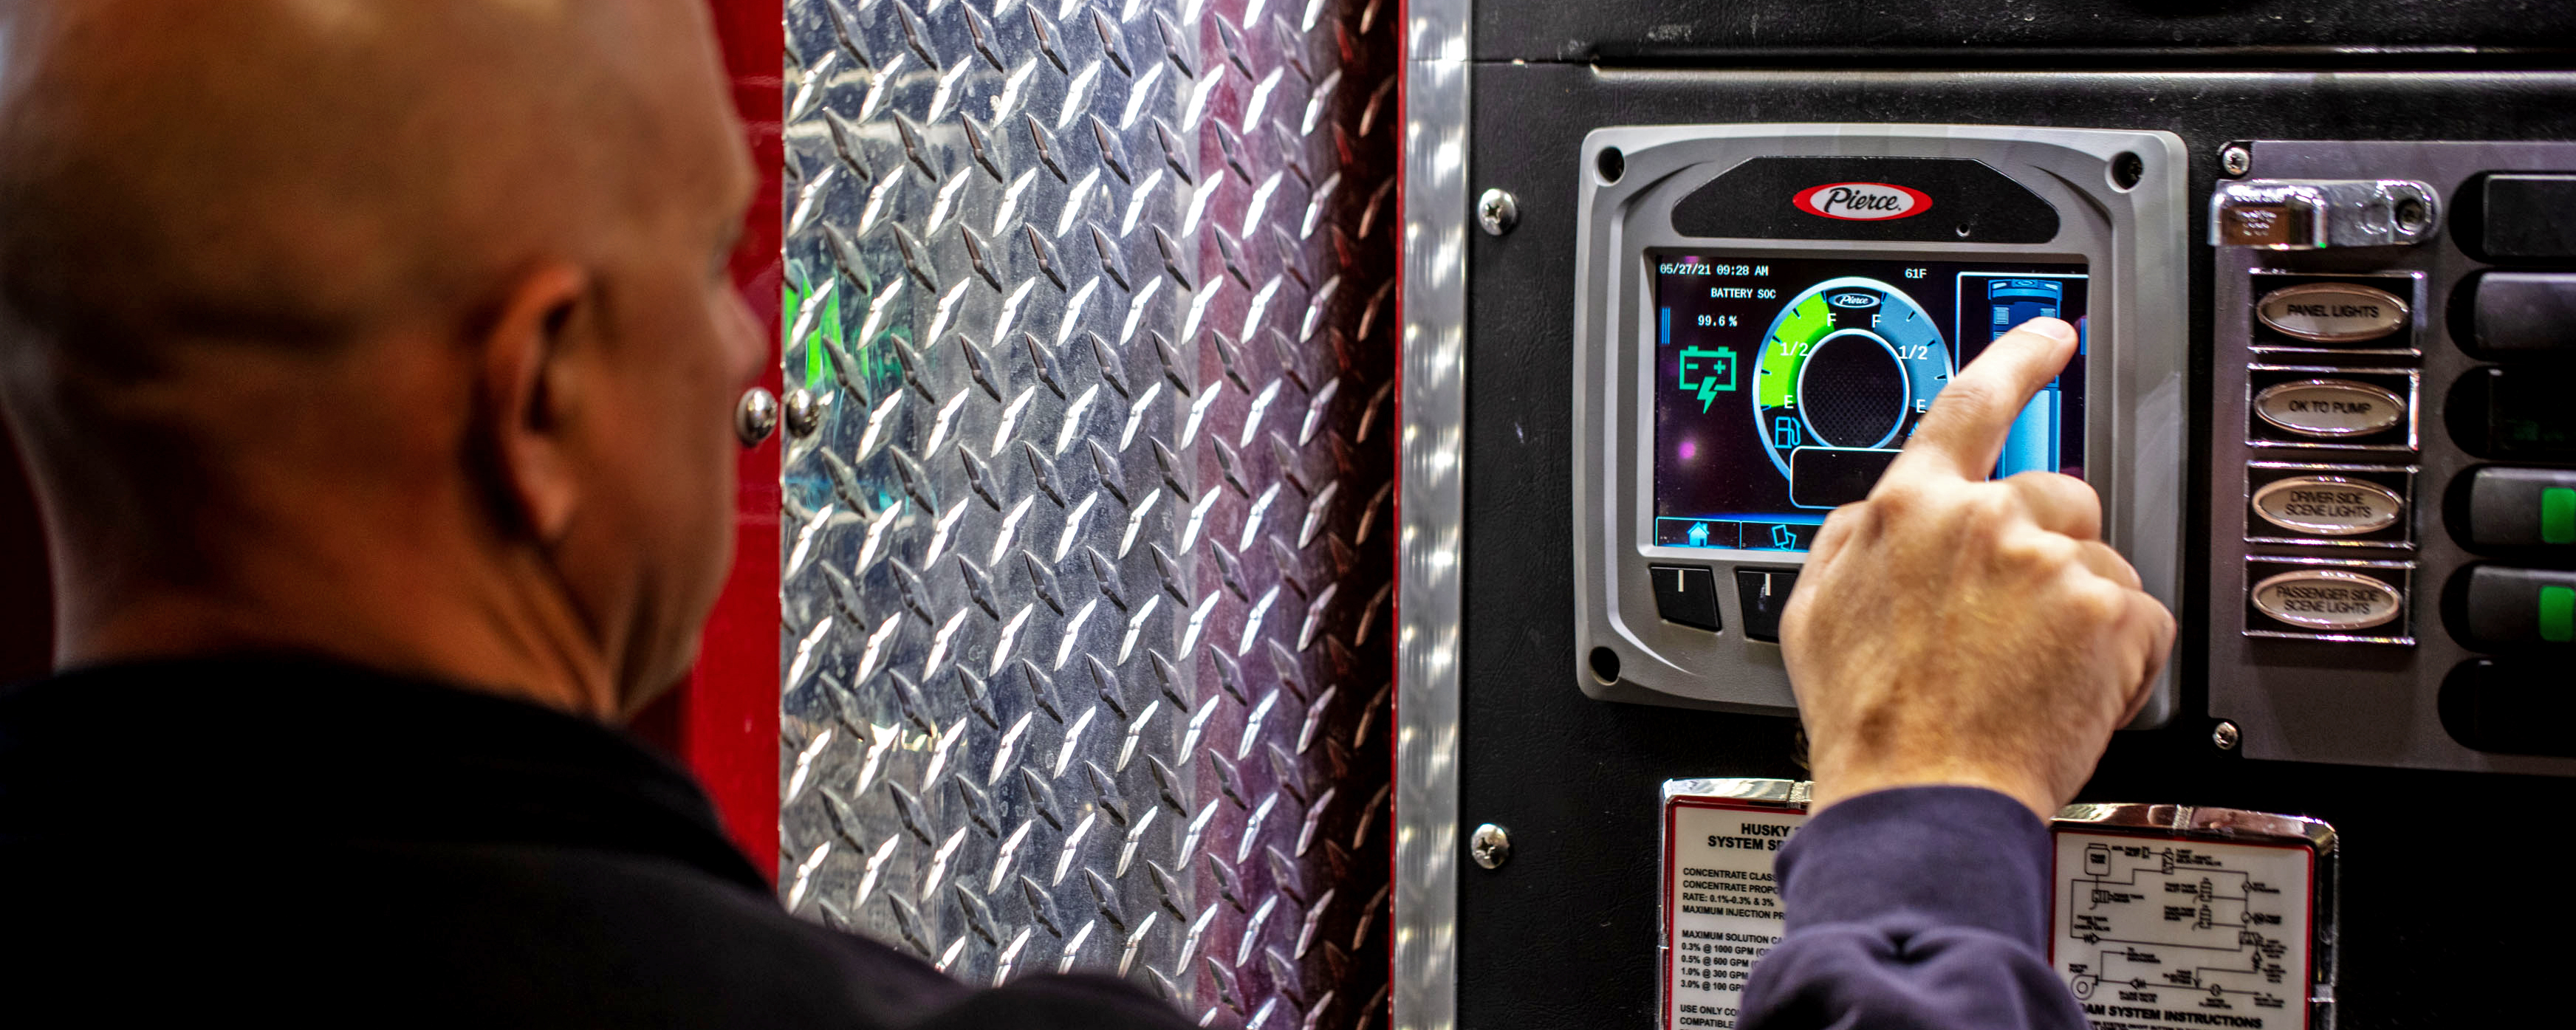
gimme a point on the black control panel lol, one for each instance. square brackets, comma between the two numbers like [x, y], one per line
[2355, 734]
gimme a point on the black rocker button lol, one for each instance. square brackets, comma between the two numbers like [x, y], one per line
[2530, 216]
[2522, 507]
[2517, 313]
[2509, 607]
[1686, 594]
[1763, 595]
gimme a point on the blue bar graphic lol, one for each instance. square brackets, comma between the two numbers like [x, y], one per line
[2032, 444]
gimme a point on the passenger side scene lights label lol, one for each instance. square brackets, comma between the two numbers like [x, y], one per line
[2328, 599]
[2329, 407]
[2332, 312]
[2328, 505]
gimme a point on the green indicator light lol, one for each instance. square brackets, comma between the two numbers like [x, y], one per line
[2558, 614]
[2558, 515]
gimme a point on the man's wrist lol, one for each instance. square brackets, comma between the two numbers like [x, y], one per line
[1832, 786]
[1921, 858]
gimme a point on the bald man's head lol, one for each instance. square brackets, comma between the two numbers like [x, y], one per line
[259, 256]
[286, 171]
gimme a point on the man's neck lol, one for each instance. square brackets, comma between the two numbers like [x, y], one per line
[504, 631]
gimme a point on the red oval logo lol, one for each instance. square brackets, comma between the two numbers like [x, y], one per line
[1862, 201]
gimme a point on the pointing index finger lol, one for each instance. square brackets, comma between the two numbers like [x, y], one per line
[1964, 432]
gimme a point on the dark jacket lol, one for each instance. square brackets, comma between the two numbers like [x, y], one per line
[296, 842]
[1923, 908]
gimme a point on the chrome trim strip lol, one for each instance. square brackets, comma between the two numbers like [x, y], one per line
[2228, 824]
[1432, 498]
[1786, 793]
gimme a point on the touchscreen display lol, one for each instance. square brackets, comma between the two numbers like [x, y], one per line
[1784, 386]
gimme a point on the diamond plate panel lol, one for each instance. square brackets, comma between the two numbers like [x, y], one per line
[1089, 515]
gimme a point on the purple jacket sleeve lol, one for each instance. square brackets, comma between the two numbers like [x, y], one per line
[1923, 908]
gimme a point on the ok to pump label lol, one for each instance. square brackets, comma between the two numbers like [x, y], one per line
[1721, 906]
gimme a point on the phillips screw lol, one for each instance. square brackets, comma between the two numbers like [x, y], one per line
[1497, 211]
[1490, 847]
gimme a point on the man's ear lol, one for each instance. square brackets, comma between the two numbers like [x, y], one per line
[532, 393]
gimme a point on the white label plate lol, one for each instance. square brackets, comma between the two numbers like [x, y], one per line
[1721, 906]
[2328, 505]
[2332, 312]
[2183, 934]
[2335, 600]
[2330, 407]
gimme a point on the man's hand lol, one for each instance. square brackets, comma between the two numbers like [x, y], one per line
[1950, 630]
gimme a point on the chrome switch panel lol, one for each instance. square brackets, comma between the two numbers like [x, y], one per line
[2351, 390]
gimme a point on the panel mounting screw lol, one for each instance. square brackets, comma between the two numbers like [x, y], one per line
[1497, 211]
[2234, 159]
[2225, 736]
[1490, 847]
[756, 417]
[803, 414]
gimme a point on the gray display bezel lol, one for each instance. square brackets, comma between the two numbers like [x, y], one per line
[2130, 242]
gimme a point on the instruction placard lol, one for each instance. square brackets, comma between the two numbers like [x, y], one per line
[2167, 934]
[1721, 906]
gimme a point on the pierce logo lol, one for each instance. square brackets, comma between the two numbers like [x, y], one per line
[1862, 201]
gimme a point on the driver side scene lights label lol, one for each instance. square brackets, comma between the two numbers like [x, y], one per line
[2329, 505]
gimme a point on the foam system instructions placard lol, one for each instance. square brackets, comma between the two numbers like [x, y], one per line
[2157, 933]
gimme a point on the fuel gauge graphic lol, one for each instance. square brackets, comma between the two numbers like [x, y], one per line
[1850, 364]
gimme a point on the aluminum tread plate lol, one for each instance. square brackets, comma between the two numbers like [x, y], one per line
[1087, 549]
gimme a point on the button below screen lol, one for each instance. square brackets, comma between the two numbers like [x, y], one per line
[1761, 595]
[1686, 594]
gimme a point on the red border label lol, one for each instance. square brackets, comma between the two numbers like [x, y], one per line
[1672, 814]
[1862, 207]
